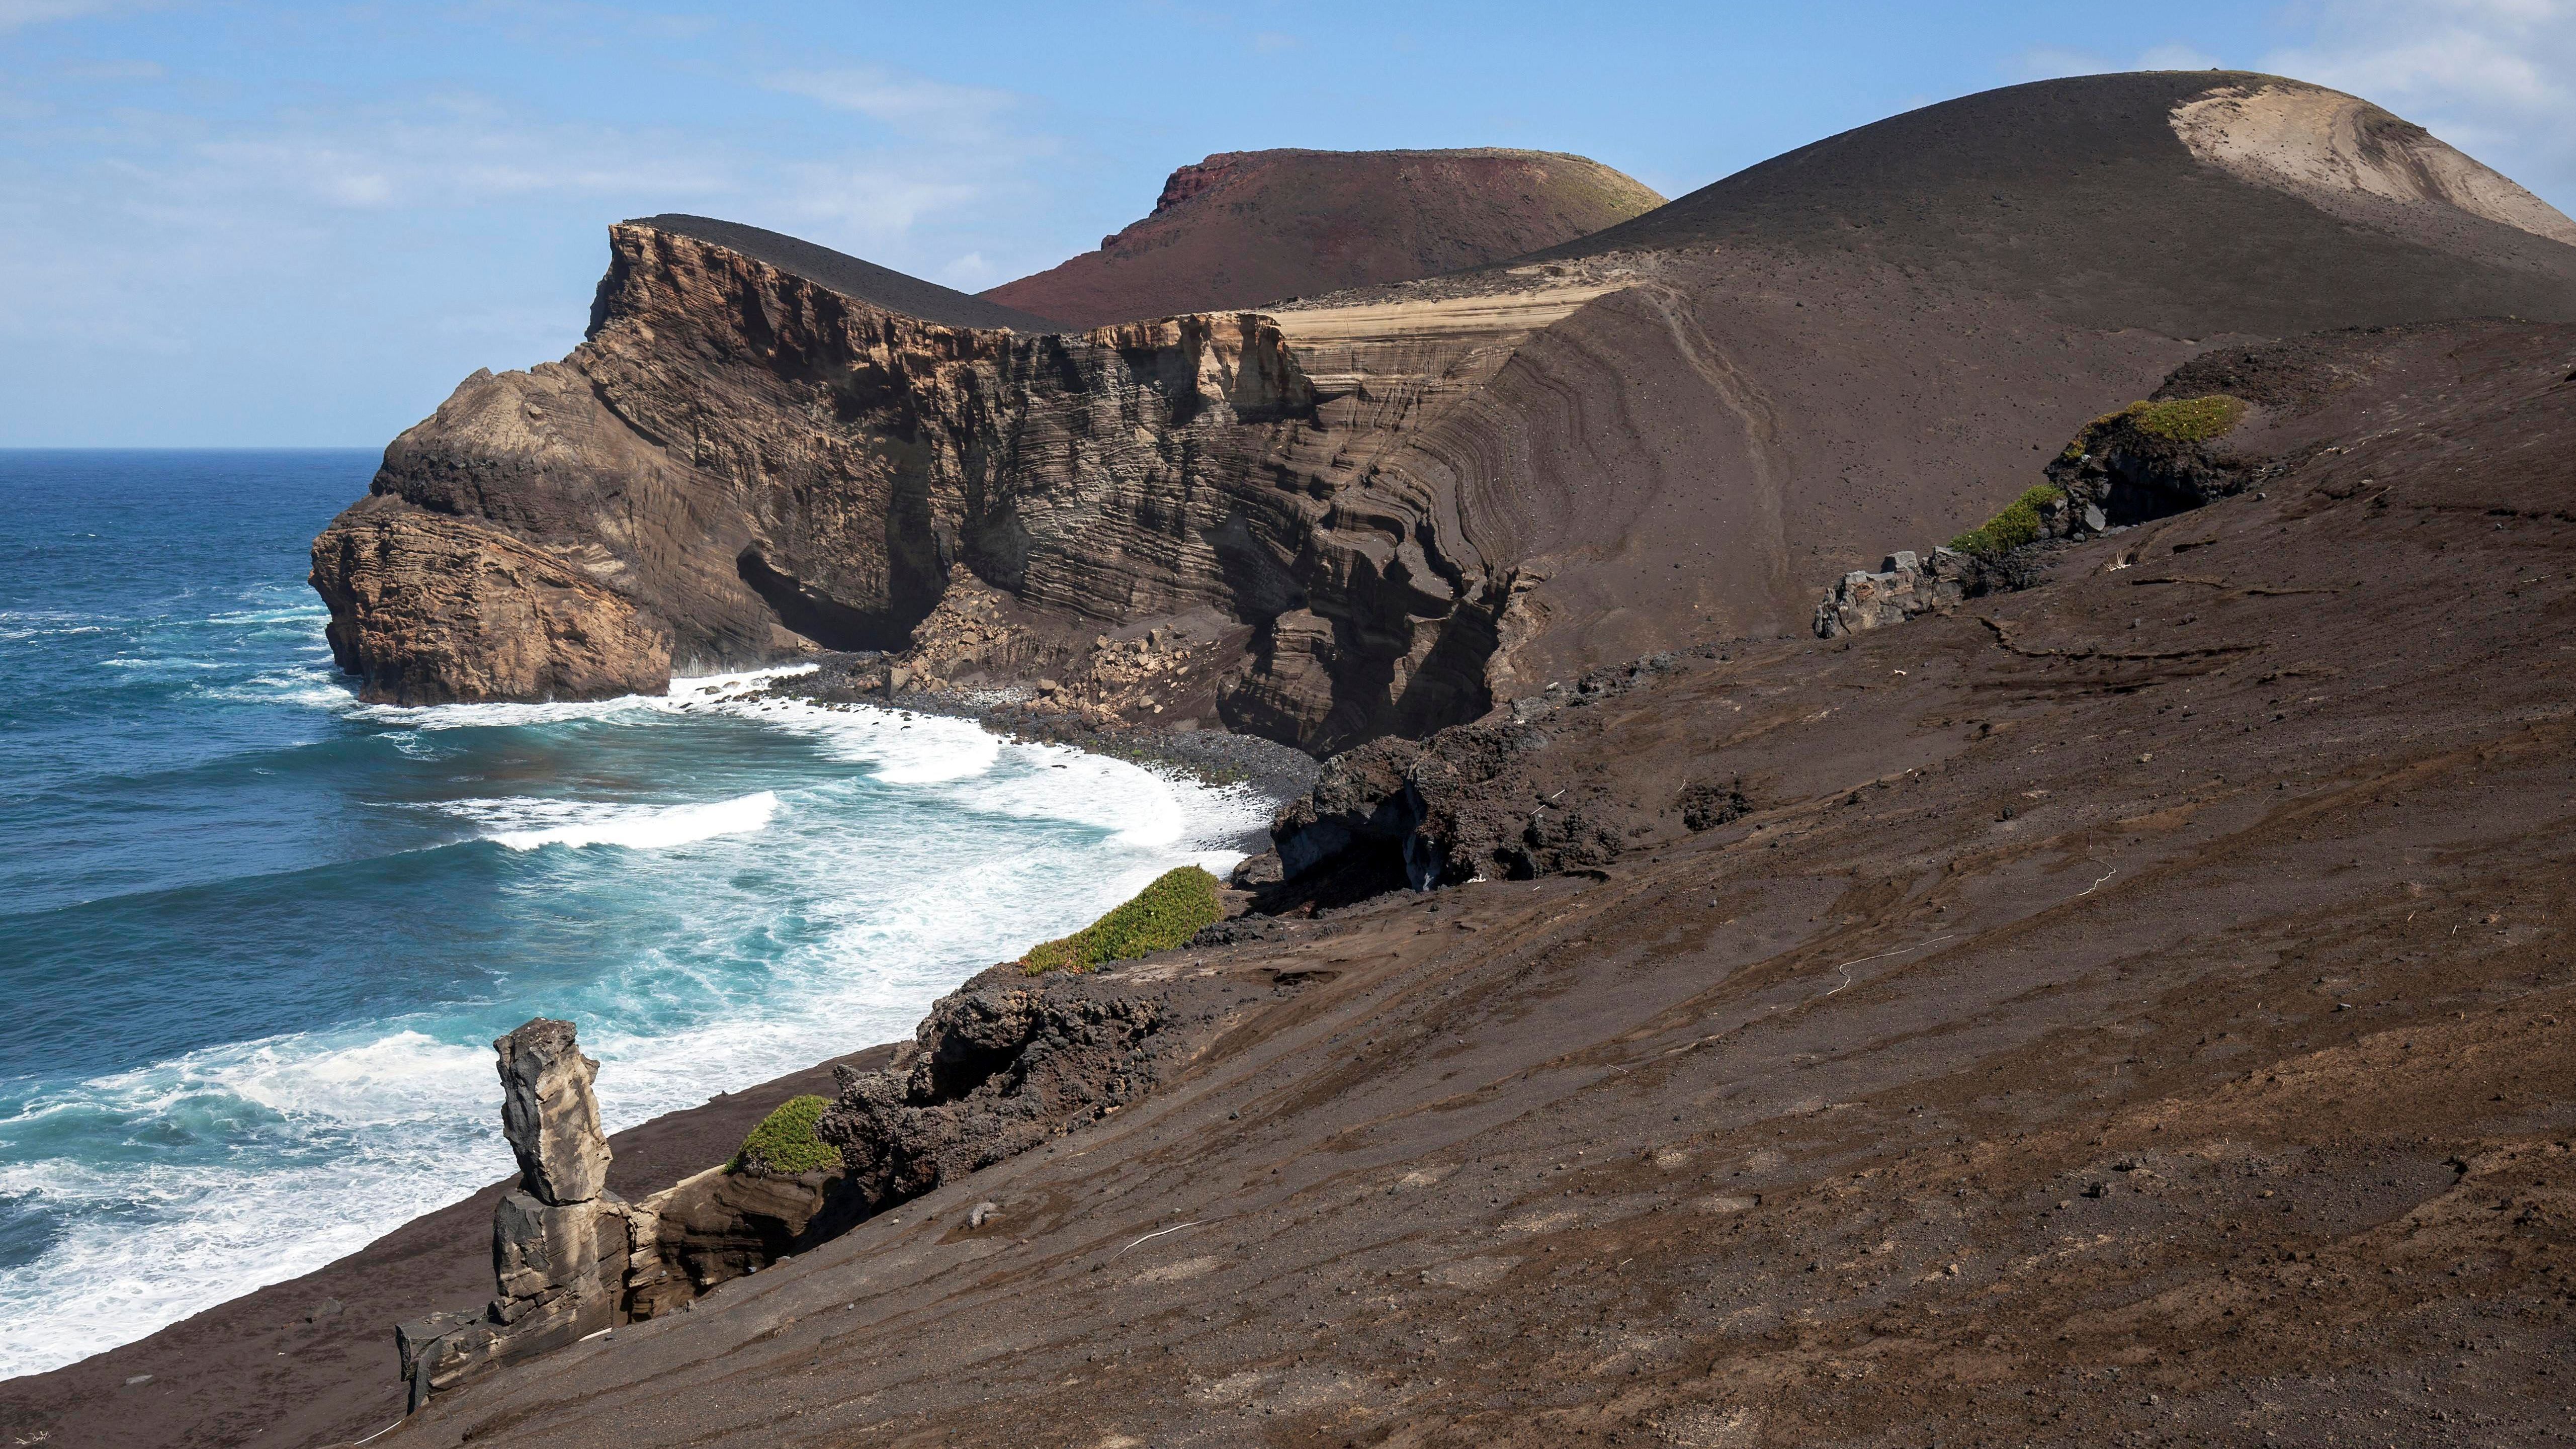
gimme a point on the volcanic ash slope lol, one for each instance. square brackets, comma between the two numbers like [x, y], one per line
[2137, 1006]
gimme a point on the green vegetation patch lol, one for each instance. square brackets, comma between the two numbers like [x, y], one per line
[2187, 419]
[2178, 420]
[784, 1144]
[2018, 524]
[1162, 915]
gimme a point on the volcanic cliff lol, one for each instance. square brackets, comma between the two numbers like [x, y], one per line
[1381, 511]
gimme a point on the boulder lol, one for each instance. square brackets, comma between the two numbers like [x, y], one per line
[1903, 586]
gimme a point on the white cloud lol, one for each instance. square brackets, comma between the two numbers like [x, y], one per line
[17, 13]
[908, 103]
[2176, 57]
[2496, 78]
[969, 273]
[873, 202]
[454, 151]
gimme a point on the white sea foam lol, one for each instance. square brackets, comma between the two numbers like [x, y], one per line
[956, 849]
[635, 827]
[332, 1145]
[714, 687]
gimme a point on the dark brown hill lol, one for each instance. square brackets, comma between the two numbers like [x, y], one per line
[1245, 227]
[2192, 202]
[1878, 331]
[1388, 509]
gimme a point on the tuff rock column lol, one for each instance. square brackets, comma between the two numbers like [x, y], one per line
[559, 1239]
[545, 1251]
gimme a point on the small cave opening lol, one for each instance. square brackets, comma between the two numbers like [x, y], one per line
[820, 617]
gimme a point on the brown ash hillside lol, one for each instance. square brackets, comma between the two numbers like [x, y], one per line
[2137, 1008]
[2196, 203]
[1246, 227]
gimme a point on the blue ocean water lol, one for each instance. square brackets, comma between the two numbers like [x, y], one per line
[256, 937]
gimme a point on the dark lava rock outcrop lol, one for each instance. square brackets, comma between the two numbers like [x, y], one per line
[1387, 509]
[1246, 227]
[1002, 1064]
[1481, 801]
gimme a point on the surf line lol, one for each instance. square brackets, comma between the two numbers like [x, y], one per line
[1846, 967]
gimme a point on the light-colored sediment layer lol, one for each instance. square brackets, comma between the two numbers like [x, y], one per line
[2326, 146]
[1434, 318]
[1343, 349]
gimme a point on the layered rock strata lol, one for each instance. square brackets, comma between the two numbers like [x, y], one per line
[741, 465]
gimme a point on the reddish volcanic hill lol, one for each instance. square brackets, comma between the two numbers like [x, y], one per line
[1244, 227]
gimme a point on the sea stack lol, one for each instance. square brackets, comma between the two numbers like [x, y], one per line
[559, 1239]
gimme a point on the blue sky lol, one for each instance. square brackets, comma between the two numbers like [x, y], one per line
[258, 223]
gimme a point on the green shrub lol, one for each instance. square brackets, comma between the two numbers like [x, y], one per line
[2177, 420]
[1162, 915]
[784, 1144]
[2018, 524]
[2187, 419]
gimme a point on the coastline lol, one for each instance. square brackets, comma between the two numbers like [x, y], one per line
[1211, 756]
[311, 1360]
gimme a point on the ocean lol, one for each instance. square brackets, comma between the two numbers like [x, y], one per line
[256, 937]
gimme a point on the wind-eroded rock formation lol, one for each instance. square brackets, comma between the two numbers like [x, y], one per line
[559, 1243]
[1383, 511]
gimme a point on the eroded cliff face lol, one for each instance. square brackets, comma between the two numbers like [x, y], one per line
[740, 465]
[1381, 511]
